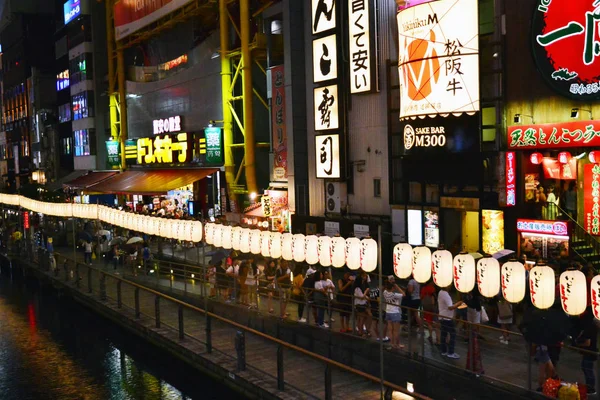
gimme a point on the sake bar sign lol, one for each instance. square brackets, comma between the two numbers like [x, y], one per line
[566, 46]
[555, 136]
[591, 202]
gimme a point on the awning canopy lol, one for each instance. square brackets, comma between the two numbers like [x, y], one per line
[151, 182]
[89, 179]
[60, 182]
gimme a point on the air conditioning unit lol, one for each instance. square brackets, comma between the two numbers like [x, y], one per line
[335, 197]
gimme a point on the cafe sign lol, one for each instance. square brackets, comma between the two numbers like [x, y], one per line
[565, 46]
[554, 136]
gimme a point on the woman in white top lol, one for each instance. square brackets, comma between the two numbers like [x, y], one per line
[251, 285]
[393, 314]
[361, 300]
[330, 289]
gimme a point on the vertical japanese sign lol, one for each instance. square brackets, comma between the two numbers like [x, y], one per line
[26, 219]
[327, 149]
[359, 37]
[214, 145]
[438, 59]
[323, 16]
[566, 46]
[591, 196]
[511, 179]
[325, 59]
[279, 139]
[326, 108]
[113, 153]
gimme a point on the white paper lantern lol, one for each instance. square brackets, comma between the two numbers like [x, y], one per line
[197, 231]
[464, 273]
[255, 241]
[353, 249]
[338, 252]
[226, 233]
[311, 249]
[265, 245]
[245, 240]
[275, 244]
[422, 264]
[299, 247]
[368, 255]
[236, 235]
[541, 286]
[513, 281]
[287, 251]
[488, 277]
[208, 233]
[324, 249]
[595, 295]
[403, 260]
[441, 268]
[573, 292]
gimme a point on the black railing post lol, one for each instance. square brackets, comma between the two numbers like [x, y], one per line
[280, 379]
[208, 333]
[137, 302]
[157, 311]
[89, 274]
[328, 391]
[119, 302]
[180, 317]
[240, 348]
[102, 286]
[77, 275]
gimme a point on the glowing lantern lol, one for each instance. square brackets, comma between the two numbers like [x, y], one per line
[595, 295]
[324, 250]
[441, 268]
[541, 286]
[403, 260]
[236, 234]
[245, 240]
[165, 229]
[464, 273]
[353, 253]
[513, 281]
[226, 234]
[564, 157]
[265, 243]
[286, 247]
[573, 292]
[536, 158]
[338, 252]
[217, 236]
[368, 255]
[197, 231]
[422, 264]
[208, 233]
[311, 249]
[298, 247]
[275, 244]
[488, 277]
[255, 241]
[594, 157]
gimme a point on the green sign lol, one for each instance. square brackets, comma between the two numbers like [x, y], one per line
[214, 145]
[113, 153]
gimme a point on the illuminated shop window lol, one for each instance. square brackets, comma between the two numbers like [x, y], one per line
[62, 80]
[84, 142]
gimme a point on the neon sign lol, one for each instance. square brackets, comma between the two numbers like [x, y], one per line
[565, 46]
[511, 179]
[543, 227]
[167, 125]
[72, 9]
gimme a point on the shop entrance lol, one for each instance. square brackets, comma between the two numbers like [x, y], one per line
[461, 230]
[470, 231]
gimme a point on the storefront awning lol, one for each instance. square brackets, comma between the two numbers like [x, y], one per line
[60, 182]
[89, 179]
[151, 182]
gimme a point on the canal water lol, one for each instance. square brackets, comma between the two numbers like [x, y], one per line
[53, 348]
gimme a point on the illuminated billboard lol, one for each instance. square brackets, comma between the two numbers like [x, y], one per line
[438, 59]
[133, 15]
[72, 9]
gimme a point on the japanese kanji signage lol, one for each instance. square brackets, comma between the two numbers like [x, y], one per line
[327, 149]
[591, 198]
[555, 136]
[214, 145]
[325, 59]
[511, 179]
[566, 46]
[163, 150]
[556, 170]
[326, 108]
[113, 153]
[558, 228]
[26, 220]
[323, 16]
[266, 205]
[438, 59]
[359, 38]
[167, 125]
[278, 110]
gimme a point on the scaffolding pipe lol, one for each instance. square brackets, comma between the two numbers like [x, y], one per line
[122, 105]
[247, 92]
[226, 93]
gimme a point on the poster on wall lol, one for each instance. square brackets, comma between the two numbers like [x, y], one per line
[432, 228]
[438, 59]
[532, 181]
[492, 231]
[565, 46]
[279, 139]
[591, 198]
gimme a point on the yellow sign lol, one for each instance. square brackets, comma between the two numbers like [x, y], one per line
[163, 150]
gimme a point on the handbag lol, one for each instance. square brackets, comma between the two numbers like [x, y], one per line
[484, 316]
[504, 310]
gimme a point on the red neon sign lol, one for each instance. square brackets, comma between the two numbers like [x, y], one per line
[511, 179]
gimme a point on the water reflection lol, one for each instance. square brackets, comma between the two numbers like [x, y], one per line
[54, 349]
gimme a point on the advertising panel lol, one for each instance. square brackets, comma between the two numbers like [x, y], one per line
[554, 136]
[439, 59]
[278, 111]
[441, 135]
[113, 153]
[565, 46]
[591, 198]
[73, 9]
[432, 228]
[132, 15]
[492, 231]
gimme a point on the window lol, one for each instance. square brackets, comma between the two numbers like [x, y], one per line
[377, 187]
[84, 142]
[62, 80]
[83, 105]
[80, 68]
[66, 146]
[64, 113]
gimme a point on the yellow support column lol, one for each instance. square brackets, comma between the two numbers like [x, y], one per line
[247, 94]
[226, 94]
[122, 104]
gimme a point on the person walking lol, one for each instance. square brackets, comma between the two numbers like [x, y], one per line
[344, 302]
[297, 293]
[146, 255]
[446, 309]
[430, 311]
[505, 319]
[374, 294]
[282, 284]
[270, 272]
[251, 282]
[414, 295]
[392, 295]
[361, 301]
[320, 297]
[308, 287]
[87, 255]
